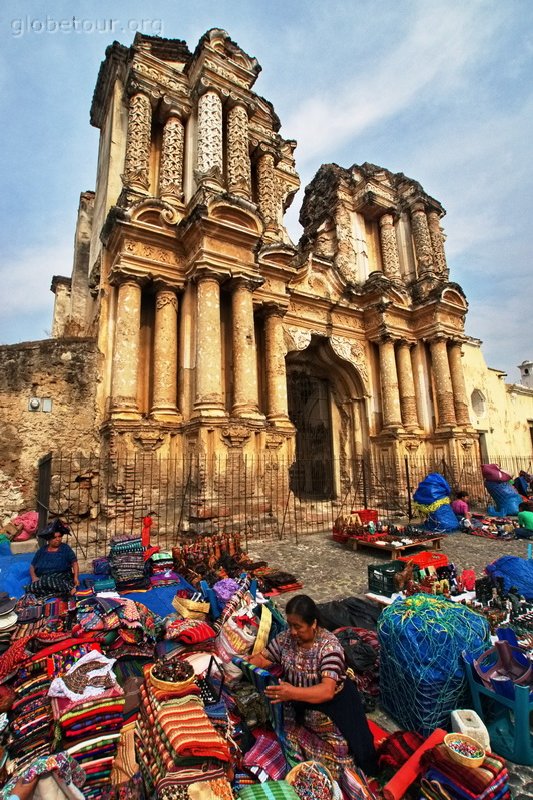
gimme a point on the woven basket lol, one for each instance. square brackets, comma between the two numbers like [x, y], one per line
[307, 766]
[191, 609]
[170, 686]
[465, 761]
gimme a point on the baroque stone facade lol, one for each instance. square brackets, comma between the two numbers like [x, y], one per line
[217, 334]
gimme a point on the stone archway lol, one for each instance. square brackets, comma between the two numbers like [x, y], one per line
[326, 401]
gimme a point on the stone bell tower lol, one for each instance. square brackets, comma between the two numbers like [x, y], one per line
[188, 251]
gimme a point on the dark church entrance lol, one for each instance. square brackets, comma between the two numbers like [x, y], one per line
[310, 412]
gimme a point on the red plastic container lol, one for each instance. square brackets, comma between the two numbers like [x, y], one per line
[427, 559]
[366, 515]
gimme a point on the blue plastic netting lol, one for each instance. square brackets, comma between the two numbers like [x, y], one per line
[421, 674]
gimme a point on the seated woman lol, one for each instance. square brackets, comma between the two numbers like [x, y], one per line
[525, 521]
[54, 568]
[323, 713]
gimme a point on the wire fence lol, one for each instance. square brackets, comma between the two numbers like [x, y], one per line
[262, 497]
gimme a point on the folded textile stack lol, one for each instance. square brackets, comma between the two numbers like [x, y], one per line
[87, 704]
[173, 732]
[126, 557]
[124, 627]
[31, 720]
[8, 620]
[162, 569]
[445, 778]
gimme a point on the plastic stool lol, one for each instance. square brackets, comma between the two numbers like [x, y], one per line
[466, 721]
[507, 719]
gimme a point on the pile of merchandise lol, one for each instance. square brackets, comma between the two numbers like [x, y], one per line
[123, 702]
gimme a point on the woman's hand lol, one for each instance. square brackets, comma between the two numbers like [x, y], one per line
[280, 693]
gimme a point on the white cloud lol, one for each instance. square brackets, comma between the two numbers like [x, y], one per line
[441, 41]
[26, 287]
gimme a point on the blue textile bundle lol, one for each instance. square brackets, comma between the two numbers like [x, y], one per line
[505, 496]
[421, 671]
[515, 571]
[433, 499]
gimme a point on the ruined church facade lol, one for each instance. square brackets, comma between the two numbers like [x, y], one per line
[216, 332]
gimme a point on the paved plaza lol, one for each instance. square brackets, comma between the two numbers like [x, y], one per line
[331, 571]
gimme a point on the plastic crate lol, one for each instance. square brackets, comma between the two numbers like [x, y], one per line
[381, 577]
[427, 559]
[366, 515]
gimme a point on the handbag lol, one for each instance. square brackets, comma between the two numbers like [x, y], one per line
[191, 609]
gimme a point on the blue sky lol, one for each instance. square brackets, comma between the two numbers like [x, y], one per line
[441, 91]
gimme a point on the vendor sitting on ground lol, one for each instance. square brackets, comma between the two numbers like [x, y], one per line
[461, 509]
[323, 714]
[525, 521]
[54, 569]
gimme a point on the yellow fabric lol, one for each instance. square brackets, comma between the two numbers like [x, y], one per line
[265, 624]
[428, 509]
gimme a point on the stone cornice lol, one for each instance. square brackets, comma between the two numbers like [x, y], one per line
[114, 65]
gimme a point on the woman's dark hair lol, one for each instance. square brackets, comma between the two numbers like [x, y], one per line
[305, 607]
[460, 495]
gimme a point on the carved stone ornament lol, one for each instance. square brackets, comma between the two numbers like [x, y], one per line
[466, 444]
[238, 160]
[437, 241]
[267, 189]
[235, 435]
[389, 247]
[423, 248]
[136, 168]
[326, 241]
[345, 257]
[166, 297]
[209, 153]
[149, 440]
[159, 77]
[273, 441]
[296, 338]
[353, 352]
[412, 445]
[171, 168]
[150, 252]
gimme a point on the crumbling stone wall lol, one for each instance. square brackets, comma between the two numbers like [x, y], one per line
[64, 371]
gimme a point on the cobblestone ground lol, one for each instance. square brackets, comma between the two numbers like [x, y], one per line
[330, 571]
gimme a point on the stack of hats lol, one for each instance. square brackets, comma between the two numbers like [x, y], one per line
[126, 557]
[8, 620]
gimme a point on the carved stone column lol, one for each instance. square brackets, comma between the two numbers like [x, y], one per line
[137, 163]
[437, 243]
[238, 155]
[422, 239]
[460, 398]
[276, 374]
[171, 163]
[389, 247]
[165, 354]
[209, 400]
[126, 349]
[267, 194]
[390, 394]
[443, 382]
[245, 391]
[407, 387]
[209, 157]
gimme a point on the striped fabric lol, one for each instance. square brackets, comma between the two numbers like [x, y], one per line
[270, 790]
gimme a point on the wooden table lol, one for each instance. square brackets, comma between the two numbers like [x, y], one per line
[396, 552]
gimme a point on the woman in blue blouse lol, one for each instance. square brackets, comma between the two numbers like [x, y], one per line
[54, 568]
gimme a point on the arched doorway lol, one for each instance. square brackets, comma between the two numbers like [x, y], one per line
[327, 408]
